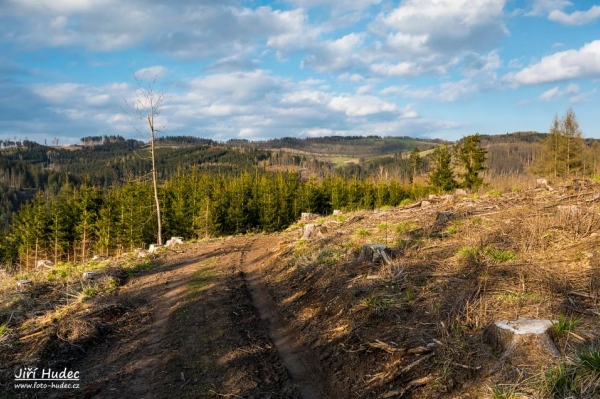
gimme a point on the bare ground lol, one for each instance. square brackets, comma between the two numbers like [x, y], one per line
[273, 316]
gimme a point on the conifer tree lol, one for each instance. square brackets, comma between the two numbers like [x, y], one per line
[442, 176]
[564, 149]
[471, 157]
[415, 163]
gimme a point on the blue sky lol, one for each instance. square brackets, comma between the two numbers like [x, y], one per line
[260, 69]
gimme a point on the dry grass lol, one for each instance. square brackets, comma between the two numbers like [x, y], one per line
[523, 252]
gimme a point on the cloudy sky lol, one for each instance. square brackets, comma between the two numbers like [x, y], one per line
[258, 69]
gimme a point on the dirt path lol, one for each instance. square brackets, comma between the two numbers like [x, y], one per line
[205, 326]
[301, 364]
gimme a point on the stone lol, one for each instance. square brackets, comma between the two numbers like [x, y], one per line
[460, 191]
[337, 212]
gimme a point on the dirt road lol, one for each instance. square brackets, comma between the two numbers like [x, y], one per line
[206, 326]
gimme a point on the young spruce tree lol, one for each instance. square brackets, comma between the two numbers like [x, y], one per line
[471, 157]
[442, 176]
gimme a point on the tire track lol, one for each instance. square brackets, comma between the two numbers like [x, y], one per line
[299, 361]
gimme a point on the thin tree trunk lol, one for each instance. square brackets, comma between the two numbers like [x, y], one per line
[154, 177]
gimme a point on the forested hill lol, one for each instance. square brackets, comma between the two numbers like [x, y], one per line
[27, 167]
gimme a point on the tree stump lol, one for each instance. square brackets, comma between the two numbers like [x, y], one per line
[174, 241]
[24, 284]
[374, 253]
[141, 253]
[337, 212]
[447, 198]
[526, 341]
[313, 230]
[44, 263]
[88, 276]
[153, 248]
[307, 216]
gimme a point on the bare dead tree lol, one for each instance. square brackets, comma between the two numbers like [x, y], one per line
[146, 108]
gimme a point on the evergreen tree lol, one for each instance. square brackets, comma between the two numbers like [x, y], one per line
[442, 176]
[573, 139]
[471, 157]
[415, 163]
[564, 148]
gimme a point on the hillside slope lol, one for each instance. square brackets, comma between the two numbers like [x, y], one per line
[326, 322]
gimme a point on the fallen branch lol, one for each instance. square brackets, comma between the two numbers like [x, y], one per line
[385, 377]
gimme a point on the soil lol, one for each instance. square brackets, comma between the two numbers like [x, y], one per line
[276, 316]
[197, 324]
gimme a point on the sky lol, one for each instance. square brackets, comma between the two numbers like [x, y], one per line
[258, 69]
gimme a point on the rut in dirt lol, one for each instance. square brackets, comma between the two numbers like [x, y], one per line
[301, 364]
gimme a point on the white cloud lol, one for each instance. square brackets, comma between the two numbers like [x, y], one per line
[543, 7]
[576, 17]
[435, 36]
[252, 105]
[337, 55]
[445, 92]
[151, 73]
[550, 94]
[564, 65]
[335, 4]
[572, 92]
[445, 25]
[361, 105]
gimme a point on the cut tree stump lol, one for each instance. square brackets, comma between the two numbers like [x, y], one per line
[313, 230]
[526, 341]
[24, 284]
[174, 241]
[374, 253]
[307, 216]
[89, 276]
[153, 248]
[44, 263]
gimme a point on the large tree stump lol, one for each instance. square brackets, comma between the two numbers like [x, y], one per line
[523, 341]
[374, 253]
[313, 230]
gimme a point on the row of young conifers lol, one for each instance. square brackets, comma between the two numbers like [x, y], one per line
[80, 222]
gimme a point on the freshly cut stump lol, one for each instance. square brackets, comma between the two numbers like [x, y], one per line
[313, 230]
[374, 253]
[524, 341]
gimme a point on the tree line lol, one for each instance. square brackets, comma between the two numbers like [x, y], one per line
[81, 221]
